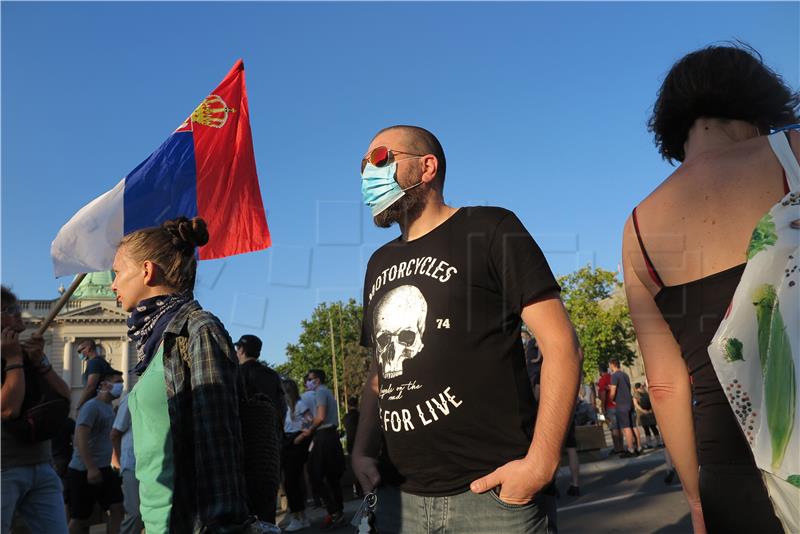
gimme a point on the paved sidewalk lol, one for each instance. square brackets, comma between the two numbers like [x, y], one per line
[618, 496]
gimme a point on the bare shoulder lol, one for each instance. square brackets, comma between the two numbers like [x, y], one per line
[699, 219]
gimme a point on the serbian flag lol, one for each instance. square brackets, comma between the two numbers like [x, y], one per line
[206, 168]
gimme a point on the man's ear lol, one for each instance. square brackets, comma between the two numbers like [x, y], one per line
[430, 166]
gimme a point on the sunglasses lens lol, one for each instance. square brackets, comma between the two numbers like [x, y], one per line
[379, 156]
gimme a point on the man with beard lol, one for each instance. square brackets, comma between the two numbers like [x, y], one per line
[444, 304]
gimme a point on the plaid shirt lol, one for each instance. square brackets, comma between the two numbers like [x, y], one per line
[209, 487]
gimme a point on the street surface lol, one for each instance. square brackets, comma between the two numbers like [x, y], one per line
[617, 495]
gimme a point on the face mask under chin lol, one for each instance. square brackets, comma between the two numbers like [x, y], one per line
[406, 209]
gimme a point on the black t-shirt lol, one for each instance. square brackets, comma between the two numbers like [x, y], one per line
[443, 315]
[97, 365]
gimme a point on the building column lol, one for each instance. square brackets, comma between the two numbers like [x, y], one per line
[66, 364]
[125, 363]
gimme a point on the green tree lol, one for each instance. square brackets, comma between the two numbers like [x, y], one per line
[597, 306]
[313, 348]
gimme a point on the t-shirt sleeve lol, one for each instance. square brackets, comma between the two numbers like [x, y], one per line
[122, 421]
[615, 379]
[87, 415]
[520, 264]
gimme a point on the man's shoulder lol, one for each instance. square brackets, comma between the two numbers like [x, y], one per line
[97, 365]
[257, 366]
[486, 214]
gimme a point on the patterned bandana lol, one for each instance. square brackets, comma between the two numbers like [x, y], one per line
[148, 321]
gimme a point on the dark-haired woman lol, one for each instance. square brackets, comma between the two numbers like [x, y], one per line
[184, 407]
[683, 255]
[298, 418]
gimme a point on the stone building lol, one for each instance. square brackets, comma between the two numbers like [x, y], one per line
[91, 312]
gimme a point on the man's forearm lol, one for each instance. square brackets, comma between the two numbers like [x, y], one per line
[560, 373]
[367, 436]
[116, 445]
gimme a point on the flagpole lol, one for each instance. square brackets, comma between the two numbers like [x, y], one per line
[60, 304]
[335, 374]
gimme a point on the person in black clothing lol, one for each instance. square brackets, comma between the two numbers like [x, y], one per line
[444, 303]
[350, 422]
[712, 115]
[259, 380]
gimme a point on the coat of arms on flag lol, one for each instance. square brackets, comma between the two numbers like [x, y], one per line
[206, 168]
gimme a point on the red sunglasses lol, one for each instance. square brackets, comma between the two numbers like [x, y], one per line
[380, 156]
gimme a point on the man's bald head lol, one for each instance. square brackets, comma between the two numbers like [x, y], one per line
[421, 141]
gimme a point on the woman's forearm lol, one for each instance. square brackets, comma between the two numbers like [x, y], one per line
[672, 405]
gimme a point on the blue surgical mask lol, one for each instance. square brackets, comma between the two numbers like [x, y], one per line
[116, 389]
[310, 384]
[379, 189]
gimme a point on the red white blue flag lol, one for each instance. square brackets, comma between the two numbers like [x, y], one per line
[206, 168]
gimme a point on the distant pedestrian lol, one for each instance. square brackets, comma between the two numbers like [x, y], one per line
[96, 365]
[608, 407]
[298, 417]
[620, 392]
[647, 419]
[122, 443]
[350, 423]
[263, 441]
[90, 476]
[571, 447]
[30, 486]
[326, 458]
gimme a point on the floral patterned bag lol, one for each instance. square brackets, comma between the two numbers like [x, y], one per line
[756, 349]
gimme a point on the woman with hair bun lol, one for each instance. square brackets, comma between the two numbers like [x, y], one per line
[684, 252]
[184, 408]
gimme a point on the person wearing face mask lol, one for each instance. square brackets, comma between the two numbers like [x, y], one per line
[444, 304]
[90, 476]
[326, 457]
[95, 366]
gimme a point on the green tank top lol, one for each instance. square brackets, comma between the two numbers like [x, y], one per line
[152, 446]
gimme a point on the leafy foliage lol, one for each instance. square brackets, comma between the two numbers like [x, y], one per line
[599, 311]
[313, 348]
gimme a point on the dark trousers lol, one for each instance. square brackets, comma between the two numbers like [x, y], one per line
[326, 467]
[294, 459]
[650, 428]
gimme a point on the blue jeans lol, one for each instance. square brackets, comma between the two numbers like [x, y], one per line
[469, 513]
[35, 492]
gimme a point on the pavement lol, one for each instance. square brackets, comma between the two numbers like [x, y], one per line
[617, 495]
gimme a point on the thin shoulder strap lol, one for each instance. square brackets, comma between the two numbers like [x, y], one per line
[783, 151]
[650, 268]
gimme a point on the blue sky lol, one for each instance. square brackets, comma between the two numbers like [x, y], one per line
[541, 108]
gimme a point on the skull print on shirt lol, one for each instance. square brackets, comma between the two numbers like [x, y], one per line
[399, 324]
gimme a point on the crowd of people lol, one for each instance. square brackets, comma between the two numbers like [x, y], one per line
[207, 429]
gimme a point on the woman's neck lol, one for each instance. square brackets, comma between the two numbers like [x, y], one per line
[710, 134]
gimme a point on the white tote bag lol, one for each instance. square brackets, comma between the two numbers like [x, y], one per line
[756, 349]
